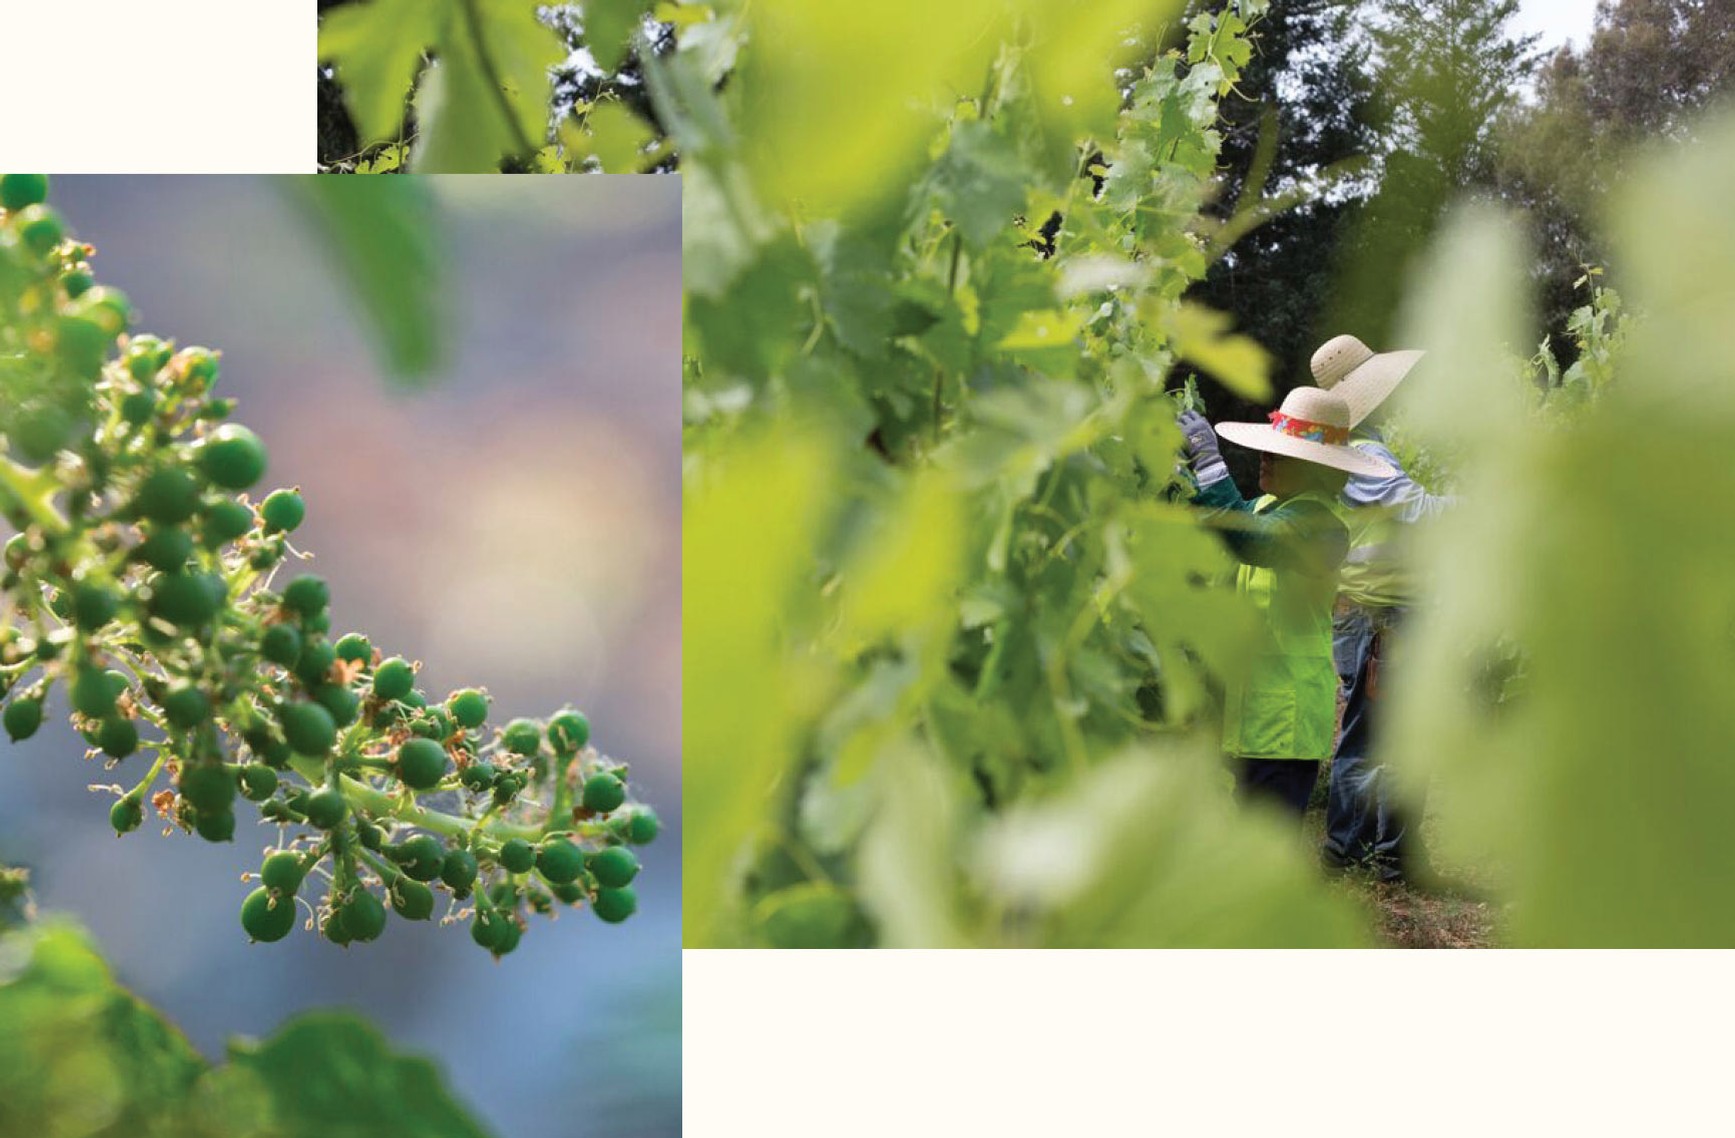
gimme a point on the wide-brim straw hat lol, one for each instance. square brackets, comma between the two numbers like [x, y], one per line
[1312, 425]
[1361, 375]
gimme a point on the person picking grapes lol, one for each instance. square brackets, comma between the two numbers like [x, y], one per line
[1364, 825]
[1280, 715]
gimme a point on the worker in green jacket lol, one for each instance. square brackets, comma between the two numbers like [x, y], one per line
[1280, 715]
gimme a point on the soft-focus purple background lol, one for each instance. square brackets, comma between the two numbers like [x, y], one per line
[515, 525]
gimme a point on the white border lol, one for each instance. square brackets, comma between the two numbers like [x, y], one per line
[158, 86]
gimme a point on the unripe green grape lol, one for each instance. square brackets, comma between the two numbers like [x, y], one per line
[615, 905]
[284, 872]
[469, 707]
[93, 606]
[224, 522]
[640, 826]
[185, 706]
[510, 933]
[314, 664]
[363, 915]
[232, 457]
[76, 281]
[22, 717]
[354, 648]
[266, 918]
[571, 893]
[332, 929]
[478, 776]
[215, 826]
[95, 691]
[186, 600]
[325, 808]
[282, 511]
[394, 678]
[209, 788]
[18, 191]
[489, 929]
[41, 228]
[168, 496]
[308, 728]
[117, 737]
[614, 867]
[568, 732]
[507, 786]
[458, 870]
[522, 737]
[306, 595]
[411, 899]
[258, 782]
[126, 815]
[421, 763]
[338, 699]
[421, 856]
[139, 407]
[560, 862]
[603, 793]
[516, 855]
[281, 644]
[165, 548]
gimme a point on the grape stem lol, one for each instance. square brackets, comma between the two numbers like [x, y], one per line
[29, 493]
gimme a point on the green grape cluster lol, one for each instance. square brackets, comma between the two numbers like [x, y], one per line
[142, 582]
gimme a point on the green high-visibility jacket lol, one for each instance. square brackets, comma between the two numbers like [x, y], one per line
[1285, 705]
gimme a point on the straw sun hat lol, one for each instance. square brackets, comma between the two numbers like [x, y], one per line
[1312, 425]
[1362, 376]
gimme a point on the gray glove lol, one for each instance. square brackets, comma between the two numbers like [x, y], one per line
[1201, 446]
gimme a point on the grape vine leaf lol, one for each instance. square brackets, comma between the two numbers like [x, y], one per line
[333, 1075]
[82, 1057]
[487, 95]
[609, 26]
[377, 48]
[384, 235]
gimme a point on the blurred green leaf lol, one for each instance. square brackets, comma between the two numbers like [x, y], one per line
[81, 1057]
[377, 48]
[609, 26]
[1150, 851]
[981, 182]
[333, 1076]
[1600, 787]
[747, 531]
[385, 237]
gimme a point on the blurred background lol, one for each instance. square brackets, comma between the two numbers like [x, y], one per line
[513, 524]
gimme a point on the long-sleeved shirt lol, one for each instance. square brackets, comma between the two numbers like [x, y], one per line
[1378, 506]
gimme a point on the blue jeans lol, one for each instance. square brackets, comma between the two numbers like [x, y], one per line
[1364, 825]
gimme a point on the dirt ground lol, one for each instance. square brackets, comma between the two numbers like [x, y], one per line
[1454, 908]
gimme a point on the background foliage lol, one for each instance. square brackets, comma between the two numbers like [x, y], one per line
[951, 651]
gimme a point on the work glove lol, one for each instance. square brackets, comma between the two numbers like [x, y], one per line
[1202, 449]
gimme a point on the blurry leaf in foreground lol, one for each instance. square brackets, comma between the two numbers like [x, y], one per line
[78, 1054]
[748, 547]
[1149, 850]
[833, 90]
[81, 1057]
[384, 235]
[334, 1076]
[1602, 549]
